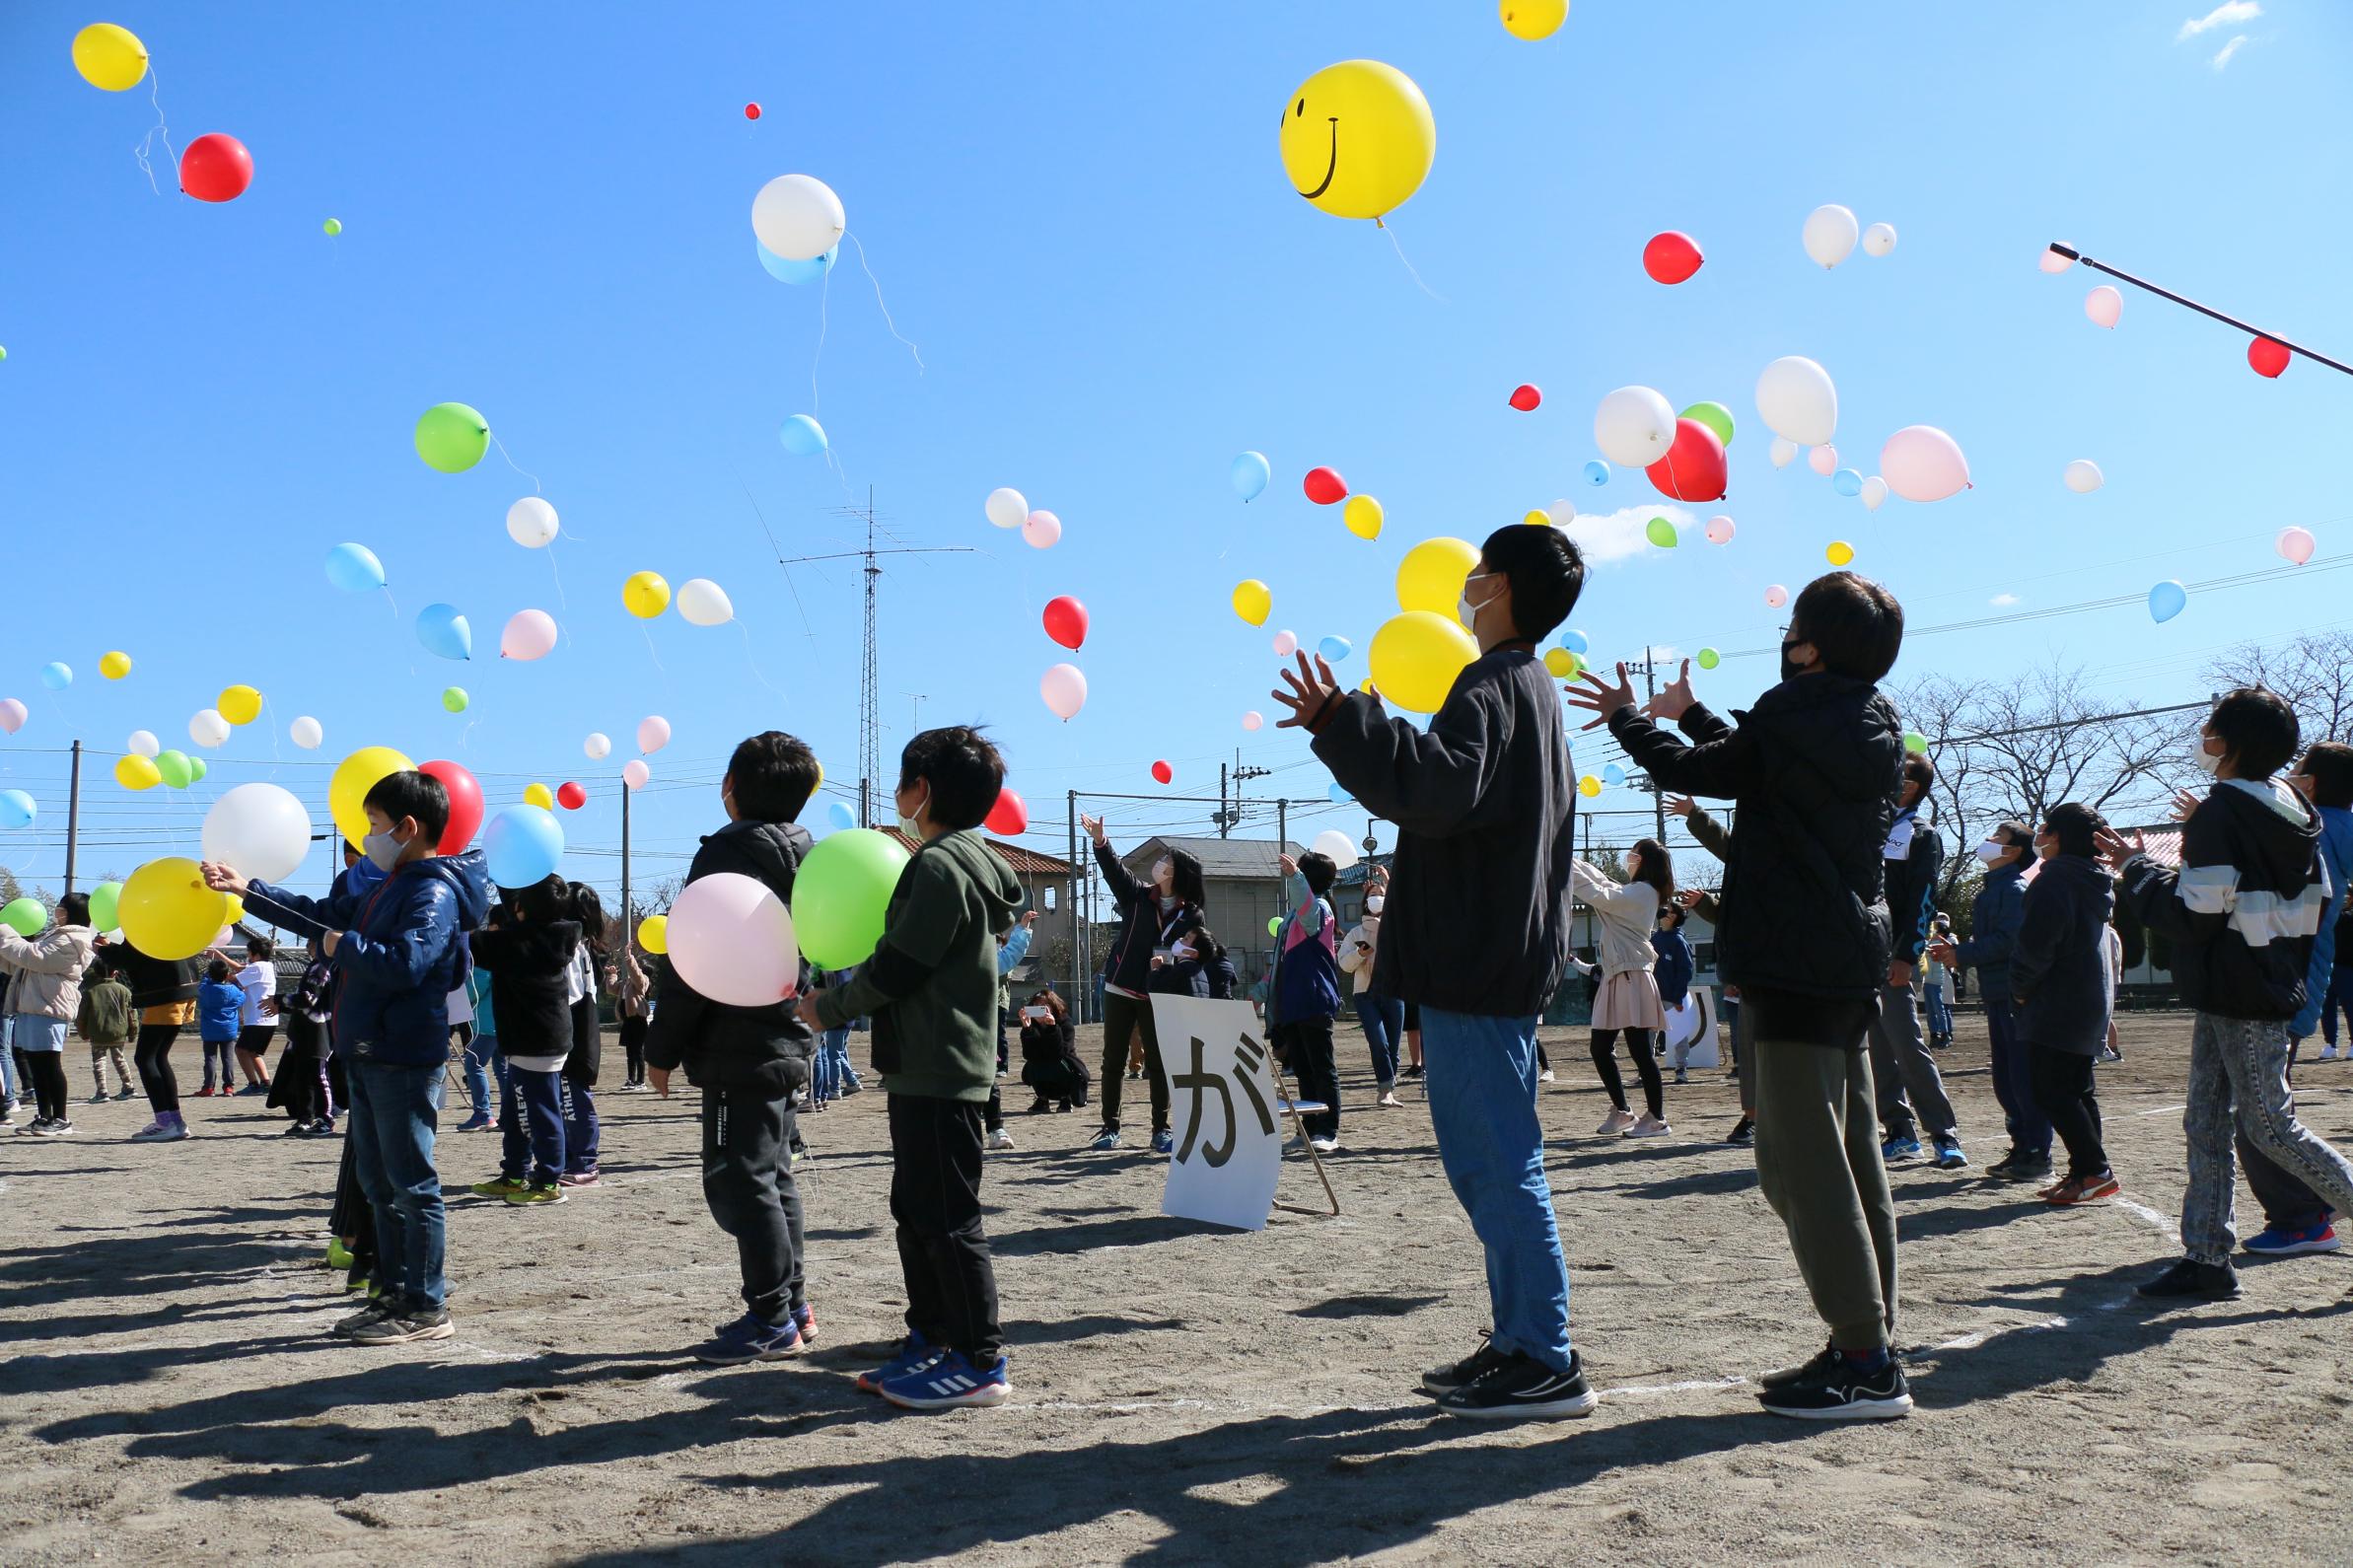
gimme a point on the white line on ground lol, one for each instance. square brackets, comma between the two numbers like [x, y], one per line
[2159, 1111]
[2141, 1211]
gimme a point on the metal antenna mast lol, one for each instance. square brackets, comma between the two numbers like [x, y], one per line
[870, 722]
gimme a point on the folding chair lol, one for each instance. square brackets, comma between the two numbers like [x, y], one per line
[1300, 1110]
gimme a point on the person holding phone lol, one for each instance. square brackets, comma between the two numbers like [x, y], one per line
[1383, 1017]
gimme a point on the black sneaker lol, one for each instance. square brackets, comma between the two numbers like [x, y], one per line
[2189, 1277]
[1833, 1387]
[1820, 1366]
[1519, 1389]
[1455, 1374]
[2019, 1166]
[1742, 1134]
[1412, 1072]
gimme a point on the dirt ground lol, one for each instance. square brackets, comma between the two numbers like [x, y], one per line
[1181, 1394]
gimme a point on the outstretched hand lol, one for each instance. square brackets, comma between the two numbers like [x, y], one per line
[2116, 848]
[1598, 698]
[1092, 827]
[2185, 802]
[222, 879]
[1312, 689]
[1674, 700]
[1680, 805]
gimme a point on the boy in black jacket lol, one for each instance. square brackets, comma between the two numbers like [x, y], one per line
[1899, 1058]
[1475, 935]
[1815, 769]
[749, 1062]
[2242, 911]
[2060, 982]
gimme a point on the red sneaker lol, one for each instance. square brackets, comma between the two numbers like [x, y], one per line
[2083, 1189]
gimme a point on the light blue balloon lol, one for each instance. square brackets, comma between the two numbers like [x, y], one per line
[1249, 474]
[801, 436]
[1597, 472]
[1335, 649]
[17, 808]
[1339, 796]
[1846, 481]
[522, 845]
[444, 632]
[57, 676]
[2168, 600]
[1613, 775]
[807, 271]
[1576, 642]
[354, 568]
[839, 815]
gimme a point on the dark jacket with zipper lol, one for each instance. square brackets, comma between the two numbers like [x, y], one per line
[1994, 916]
[1143, 925]
[738, 1047]
[2058, 967]
[2244, 907]
[1912, 892]
[531, 964]
[1485, 803]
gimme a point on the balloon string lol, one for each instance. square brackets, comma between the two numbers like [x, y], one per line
[651, 654]
[512, 463]
[155, 96]
[754, 664]
[275, 760]
[561, 602]
[879, 305]
[1416, 276]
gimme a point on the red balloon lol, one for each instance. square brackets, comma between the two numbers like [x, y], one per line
[216, 167]
[1066, 621]
[1009, 818]
[571, 797]
[2267, 357]
[1324, 486]
[1524, 397]
[1162, 773]
[1694, 468]
[465, 805]
[752, 112]
[1670, 258]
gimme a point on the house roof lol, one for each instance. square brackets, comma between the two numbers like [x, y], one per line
[1222, 859]
[1025, 862]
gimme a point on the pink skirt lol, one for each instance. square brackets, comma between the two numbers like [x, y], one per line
[1629, 1001]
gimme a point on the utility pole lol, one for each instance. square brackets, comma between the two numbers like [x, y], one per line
[1229, 818]
[73, 817]
[870, 723]
[920, 699]
[628, 921]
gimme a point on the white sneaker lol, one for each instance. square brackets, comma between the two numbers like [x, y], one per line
[1325, 1145]
[1545, 1076]
[1614, 1125]
[1000, 1139]
[1388, 1100]
[1649, 1127]
[2329, 1054]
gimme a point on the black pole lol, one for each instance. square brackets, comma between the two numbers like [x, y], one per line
[628, 925]
[73, 817]
[2073, 255]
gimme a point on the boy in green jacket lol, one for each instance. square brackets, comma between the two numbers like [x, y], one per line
[931, 989]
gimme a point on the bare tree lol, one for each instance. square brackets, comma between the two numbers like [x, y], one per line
[2314, 672]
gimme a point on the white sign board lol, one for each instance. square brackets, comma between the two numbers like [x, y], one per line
[1224, 1112]
[1694, 1021]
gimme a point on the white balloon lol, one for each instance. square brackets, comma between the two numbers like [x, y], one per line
[1874, 493]
[1006, 508]
[1286, 643]
[142, 744]
[704, 603]
[798, 217]
[2083, 476]
[208, 728]
[1878, 238]
[1829, 235]
[531, 524]
[1823, 460]
[1923, 464]
[1776, 596]
[653, 733]
[1253, 719]
[731, 938]
[1795, 398]
[307, 733]
[1562, 513]
[1337, 846]
[261, 829]
[1634, 427]
[1064, 690]
[598, 746]
[1783, 452]
[635, 773]
[2104, 306]
[1721, 530]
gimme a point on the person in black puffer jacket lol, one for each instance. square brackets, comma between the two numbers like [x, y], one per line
[529, 949]
[2060, 982]
[1815, 769]
[1051, 1062]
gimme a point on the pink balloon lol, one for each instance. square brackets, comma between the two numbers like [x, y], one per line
[12, 715]
[1064, 689]
[2103, 305]
[2296, 544]
[732, 940]
[1253, 719]
[653, 733]
[1041, 529]
[634, 773]
[1776, 597]
[2052, 261]
[1823, 460]
[529, 634]
[1920, 462]
[1720, 531]
[1285, 644]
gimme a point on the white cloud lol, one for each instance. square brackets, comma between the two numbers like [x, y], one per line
[1607, 536]
[2227, 15]
[2222, 57]
[2003, 599]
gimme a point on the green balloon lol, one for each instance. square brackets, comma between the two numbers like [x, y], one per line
[1709, 658]
[1715, 416]
[24, 916]
[333, 227]
[176, 768]
[103, 913]
[1915, 743]
[1274, 923]
[197, 768]
[453, 698]
[452, 437]
[1661, 533]
[841, 892]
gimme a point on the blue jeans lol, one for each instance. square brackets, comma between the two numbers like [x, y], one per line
[391, 1153]
[1384, 1019]
[481, 1060]
[1940, 1017]
[530, 1124]
[833, 1074]
[2013, 1069]
[2238, 1082]
[1481, 1074]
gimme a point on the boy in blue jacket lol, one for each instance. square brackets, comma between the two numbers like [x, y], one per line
[396, 958]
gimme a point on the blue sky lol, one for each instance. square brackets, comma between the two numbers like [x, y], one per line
[1078, 214]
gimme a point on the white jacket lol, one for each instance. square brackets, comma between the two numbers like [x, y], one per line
[1359, 965]
[49, 970]
[1629, 912]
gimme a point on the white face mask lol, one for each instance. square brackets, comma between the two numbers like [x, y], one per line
[907, 824]
[1185, 955]
[2205, 759]
[383, 850]
[1466, 611]
[1374, 905]
[1992, 850]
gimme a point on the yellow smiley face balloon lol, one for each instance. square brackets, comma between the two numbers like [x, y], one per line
[1357, 138]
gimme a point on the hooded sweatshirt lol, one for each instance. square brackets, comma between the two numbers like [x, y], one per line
[931, 986]
[2245, 904]
[767, 1048]
[2059, 965]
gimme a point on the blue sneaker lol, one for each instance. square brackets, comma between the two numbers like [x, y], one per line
[1949, 1156]
[913, 1351]
[1163, 1142]
[748, 1339]
[1105, 1140]
[2278, 1240]
[1899, 1149]
[948, 1382]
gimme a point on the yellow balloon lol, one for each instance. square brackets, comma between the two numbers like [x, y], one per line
[1562, 662]
[115, 666]
[1589, 786]
[1533, 19]
[239, 704]
[538, 795]
[1430, 577]
[1252, 603]
[645, 595]
[110, 57]
[1416, 656]
[1363, 516]
[347, 790]
[1538, 519]
[1357, 138]
[137, 772]
[167, 912]
[653, 933]
[1839, 554]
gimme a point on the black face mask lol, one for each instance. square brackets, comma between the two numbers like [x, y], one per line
[1790, 669]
